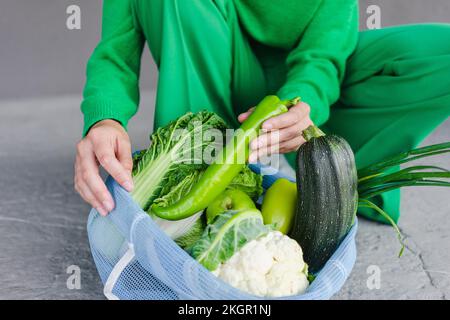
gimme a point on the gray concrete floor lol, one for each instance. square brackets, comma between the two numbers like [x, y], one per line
[42, 220]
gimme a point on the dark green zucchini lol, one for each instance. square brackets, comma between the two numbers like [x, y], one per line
[327, 187]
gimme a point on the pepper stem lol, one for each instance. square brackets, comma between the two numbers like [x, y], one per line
[291, 102]
[312, 132]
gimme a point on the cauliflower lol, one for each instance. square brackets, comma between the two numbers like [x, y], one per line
[270, 266]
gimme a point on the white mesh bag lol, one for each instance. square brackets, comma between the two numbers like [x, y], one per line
[137, 260]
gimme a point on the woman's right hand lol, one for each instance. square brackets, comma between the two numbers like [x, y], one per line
[107, 144]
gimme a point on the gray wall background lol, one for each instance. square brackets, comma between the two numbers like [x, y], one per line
[39, 56]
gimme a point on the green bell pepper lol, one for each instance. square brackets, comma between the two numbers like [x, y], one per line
[278, 207]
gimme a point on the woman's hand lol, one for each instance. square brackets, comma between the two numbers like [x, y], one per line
[107, 144]
[283, 133]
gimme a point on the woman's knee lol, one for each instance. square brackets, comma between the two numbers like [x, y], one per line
[407, 41]
[422, 40]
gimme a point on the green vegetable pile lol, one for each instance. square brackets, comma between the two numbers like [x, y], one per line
[167, 171]
[174, 184]
[228, 163]
[210, 209]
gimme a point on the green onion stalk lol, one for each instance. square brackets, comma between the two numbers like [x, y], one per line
[378, 178]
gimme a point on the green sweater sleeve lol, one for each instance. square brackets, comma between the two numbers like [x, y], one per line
[112, 84]
[317, 65]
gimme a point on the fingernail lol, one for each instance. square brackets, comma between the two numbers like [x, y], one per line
[101, 211]
[108, 205]
[128, 186]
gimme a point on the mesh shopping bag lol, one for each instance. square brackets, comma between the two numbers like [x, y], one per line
[137, 260]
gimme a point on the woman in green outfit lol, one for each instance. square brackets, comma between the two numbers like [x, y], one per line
[382, 90]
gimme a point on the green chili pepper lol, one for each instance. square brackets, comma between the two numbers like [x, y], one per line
[227, 164]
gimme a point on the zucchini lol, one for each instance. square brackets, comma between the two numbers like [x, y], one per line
[327, 188]
[330, 189]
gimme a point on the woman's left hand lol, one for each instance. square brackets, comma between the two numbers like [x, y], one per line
[282, 134]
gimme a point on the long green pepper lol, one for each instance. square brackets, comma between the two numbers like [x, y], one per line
[228, 163]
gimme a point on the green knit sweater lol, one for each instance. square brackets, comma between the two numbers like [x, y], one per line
[319, 34]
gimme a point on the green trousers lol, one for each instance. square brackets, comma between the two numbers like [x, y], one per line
[396, 89]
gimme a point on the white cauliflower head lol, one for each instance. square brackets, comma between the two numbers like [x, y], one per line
[270, 266]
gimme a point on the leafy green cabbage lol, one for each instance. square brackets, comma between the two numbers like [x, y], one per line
[228, 233]
[248, 182]
[171, 157]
